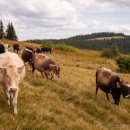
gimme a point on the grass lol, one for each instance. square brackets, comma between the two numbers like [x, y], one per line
[68, 103]
[62, 47]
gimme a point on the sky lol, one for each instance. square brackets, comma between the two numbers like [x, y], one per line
[56, 19]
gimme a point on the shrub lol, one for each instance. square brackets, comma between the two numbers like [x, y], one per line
[106, 53]
[113, 52]
[123, 63]
[62, 47]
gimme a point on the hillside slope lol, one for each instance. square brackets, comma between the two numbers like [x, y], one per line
[94, 41]
[68, 103]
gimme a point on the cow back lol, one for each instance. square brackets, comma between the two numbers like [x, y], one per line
[42, 62]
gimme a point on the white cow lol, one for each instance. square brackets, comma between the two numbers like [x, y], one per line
[12, 72]
[6, 46]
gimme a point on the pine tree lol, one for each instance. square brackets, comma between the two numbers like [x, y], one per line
[2, 35]
[10, 32]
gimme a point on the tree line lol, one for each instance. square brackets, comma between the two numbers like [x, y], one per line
[9, 33]
[89, 41]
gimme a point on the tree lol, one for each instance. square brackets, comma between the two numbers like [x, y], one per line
[10, 32]
[114, 52]
[2, 34]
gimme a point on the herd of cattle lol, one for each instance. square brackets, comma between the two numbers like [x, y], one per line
[12, 72]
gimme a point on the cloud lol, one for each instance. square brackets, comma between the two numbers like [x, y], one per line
[64, 18]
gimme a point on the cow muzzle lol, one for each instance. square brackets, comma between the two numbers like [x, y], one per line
[128, 96]
[58, 76]
[12, 90]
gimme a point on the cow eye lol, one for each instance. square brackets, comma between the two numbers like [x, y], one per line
[7, 76]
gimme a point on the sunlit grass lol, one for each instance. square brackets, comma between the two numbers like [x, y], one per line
[68, 103]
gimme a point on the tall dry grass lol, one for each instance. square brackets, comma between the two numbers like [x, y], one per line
[68, 103]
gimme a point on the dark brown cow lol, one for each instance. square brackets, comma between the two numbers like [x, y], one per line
[110, 82]
[16, 47]
[46, 66]
[27, 56]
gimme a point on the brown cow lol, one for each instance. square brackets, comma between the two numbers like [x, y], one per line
[46, 66]
[110, 82]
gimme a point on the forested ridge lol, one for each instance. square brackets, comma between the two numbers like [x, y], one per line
[94, 41]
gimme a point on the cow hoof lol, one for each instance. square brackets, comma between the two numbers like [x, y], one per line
[8, 102]
[116, 104]
[15, 115]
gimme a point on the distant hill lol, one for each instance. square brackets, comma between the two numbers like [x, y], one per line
[94, 41]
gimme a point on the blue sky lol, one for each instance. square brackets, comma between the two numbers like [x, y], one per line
[43, 19]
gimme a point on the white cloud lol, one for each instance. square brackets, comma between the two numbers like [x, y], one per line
[64, 18]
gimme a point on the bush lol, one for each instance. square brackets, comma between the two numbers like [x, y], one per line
[123, 63]
[113, 52]
[106, 53]
[62, 47]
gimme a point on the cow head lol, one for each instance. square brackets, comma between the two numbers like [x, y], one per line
[11, 77]
[124, 89]
[55, 69]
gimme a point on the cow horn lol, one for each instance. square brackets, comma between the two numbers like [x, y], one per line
[22, 67]
[51, 65]
[128, 96]
[2, 67]
[118, 85]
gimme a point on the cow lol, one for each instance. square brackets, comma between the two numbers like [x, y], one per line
[39, 50]
[6, 46]
[46, 66]
[46, 49]
[27, 56]
[12, 72]
[30, 49]
[110, 82]
[2, 48]
[16, 47]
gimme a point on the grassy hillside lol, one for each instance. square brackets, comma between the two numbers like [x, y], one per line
[108, 38]
[94, 41]
[68, 103]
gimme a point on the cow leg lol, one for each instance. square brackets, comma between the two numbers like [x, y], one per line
[33, 69]
[14, 102]
[107, 97]
[46, 75]
[8, 97]
[42, 74]
[30, 64]
[51, 75]
[116, 97]
[96, 89]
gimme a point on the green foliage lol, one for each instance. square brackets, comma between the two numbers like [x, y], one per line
[124, 63]
[10, 32]
[61, 47]
[113, 52]
[1, 30]
[106, 53]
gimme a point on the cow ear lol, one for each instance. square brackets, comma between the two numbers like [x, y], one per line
[2, 70]
[20, 69]
[51, 65]
[118, 85]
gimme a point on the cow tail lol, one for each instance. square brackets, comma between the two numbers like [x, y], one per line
[96, 76]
